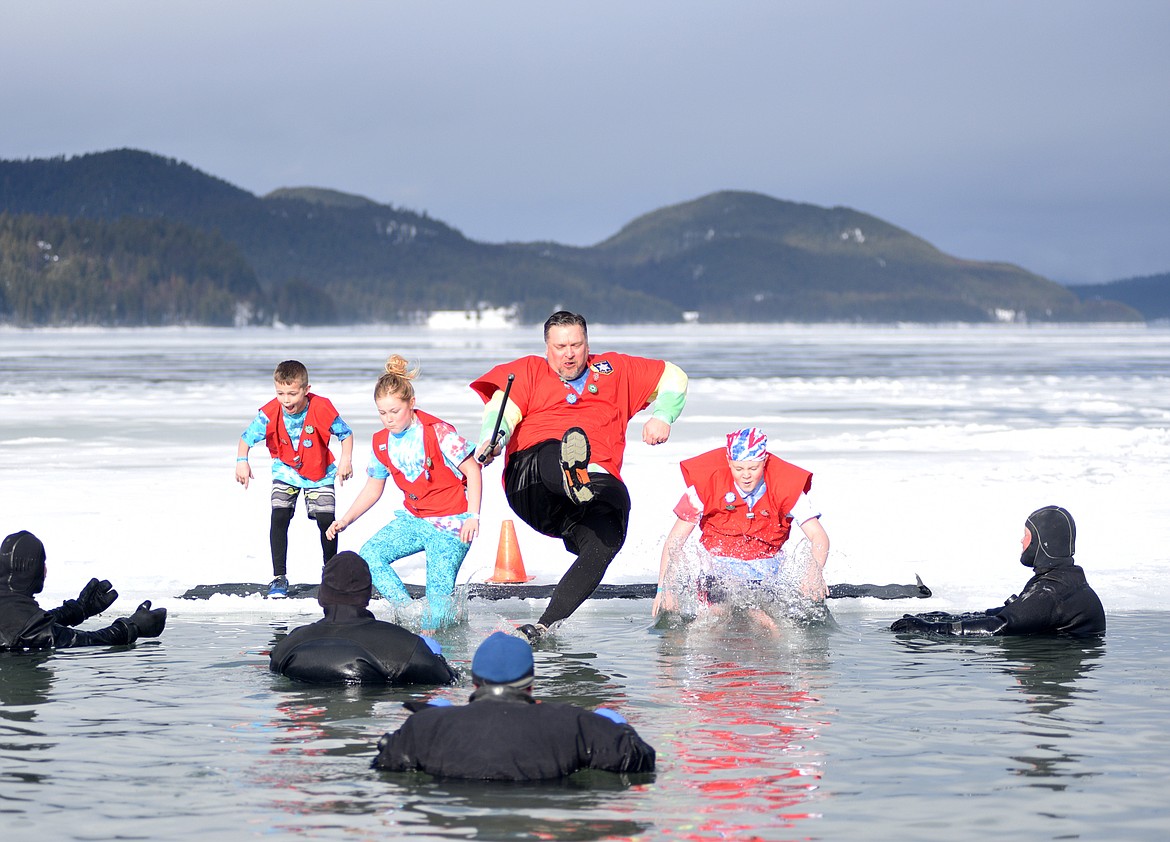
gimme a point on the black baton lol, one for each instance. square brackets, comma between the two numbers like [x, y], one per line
[499, 420]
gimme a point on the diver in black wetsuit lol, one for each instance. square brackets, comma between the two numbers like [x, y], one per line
[506, 735]
[350, 645]
[1056, 600]
[25, 626]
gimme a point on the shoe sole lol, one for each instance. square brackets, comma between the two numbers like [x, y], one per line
[575, 465]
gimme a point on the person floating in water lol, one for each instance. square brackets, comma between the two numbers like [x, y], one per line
[1056, 600]
[504, 734]
[351, 646]
[25, 626]
[744, 501]
[564, 434]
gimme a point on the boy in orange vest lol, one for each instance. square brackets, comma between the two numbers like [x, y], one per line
[297, 426]
[744, 501]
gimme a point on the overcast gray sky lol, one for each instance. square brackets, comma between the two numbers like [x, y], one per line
[1030, 131]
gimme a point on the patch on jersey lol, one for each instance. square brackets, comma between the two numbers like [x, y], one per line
[602, 367]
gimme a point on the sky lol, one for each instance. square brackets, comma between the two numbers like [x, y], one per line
[1034, 132]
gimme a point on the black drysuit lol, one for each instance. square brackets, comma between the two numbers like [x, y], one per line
[24, 625]
[351, 646]
[505, 735]
[1056, 600]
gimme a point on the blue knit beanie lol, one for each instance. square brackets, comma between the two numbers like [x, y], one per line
[503, 659]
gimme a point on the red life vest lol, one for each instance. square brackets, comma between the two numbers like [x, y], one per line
[617, 387]
[729, 528]
[311, 457]
[437, 490]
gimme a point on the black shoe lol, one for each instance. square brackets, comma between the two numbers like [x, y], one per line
[532, 632]
[277, 588]
[575, 465]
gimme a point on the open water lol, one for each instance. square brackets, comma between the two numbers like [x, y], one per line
[928, 444]
[825, 733]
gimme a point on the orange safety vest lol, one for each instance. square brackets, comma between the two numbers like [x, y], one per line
[437, 490]
[729, 528]
[617, 387]
[311, 457]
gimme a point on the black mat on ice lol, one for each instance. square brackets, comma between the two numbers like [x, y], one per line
[488, 590]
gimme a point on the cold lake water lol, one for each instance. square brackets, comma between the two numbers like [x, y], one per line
[825, 733]
[928, 445]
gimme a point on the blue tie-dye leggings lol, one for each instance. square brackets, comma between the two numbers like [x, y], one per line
[407, 535]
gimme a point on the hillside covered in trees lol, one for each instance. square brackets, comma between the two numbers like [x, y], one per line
[1148, 294]
[128, 237]
[128, 271]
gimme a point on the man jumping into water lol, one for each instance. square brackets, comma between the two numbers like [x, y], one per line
[564, 435]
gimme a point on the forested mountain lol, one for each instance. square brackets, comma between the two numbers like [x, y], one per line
[1149, 294]
[317, 256]
[736, 256]
[128, 271]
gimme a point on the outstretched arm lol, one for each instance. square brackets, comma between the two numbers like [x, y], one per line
[370, 494]
[94, 598]
[814, 579]
[665, 599]
[952, 625]
[485, 453]
[471, 470]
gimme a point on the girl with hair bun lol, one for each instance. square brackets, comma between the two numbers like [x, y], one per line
[440, 480]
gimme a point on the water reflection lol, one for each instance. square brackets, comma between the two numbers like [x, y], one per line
[1050, 674]
[1050, 677]
[25, 682]
[192, 738]
[586, 806]
[317, 766]
[314, 719]
[747, 717]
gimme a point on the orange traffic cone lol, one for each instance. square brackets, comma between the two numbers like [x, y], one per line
[509, 564]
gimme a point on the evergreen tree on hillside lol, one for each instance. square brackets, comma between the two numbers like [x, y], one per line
[129, 272]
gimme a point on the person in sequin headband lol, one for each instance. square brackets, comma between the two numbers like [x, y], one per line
[744, 501]
[747, 445]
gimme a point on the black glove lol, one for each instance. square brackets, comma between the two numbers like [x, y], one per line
[148, 623]
[910, 623]
[96, 597]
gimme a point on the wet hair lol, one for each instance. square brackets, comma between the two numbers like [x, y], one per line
[291, 371]
[396, 380]
[563, 318]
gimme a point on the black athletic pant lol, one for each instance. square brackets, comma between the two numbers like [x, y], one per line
[594, 532]
[278, 538]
